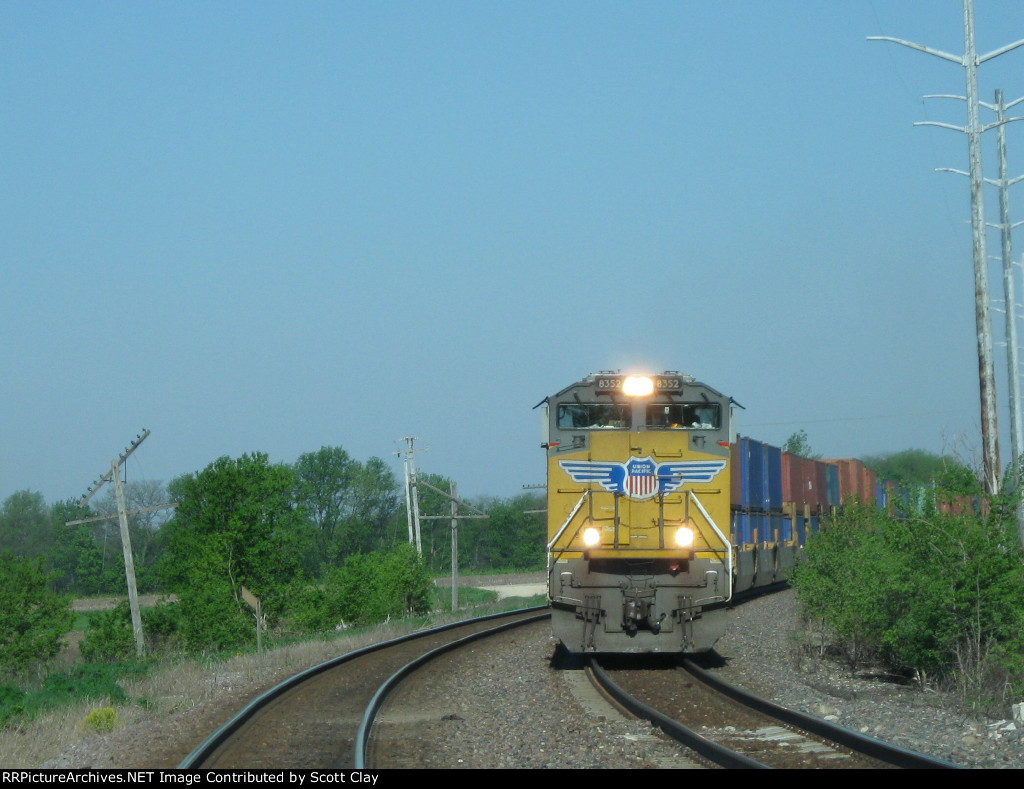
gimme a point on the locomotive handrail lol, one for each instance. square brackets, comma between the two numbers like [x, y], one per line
[727, 546]
[565, 525]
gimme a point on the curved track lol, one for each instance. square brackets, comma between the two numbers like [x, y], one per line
[730, 727]
[324, 717]
[320, 717]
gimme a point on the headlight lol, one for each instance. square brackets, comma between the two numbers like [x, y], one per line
[591, 536]
[684, 537]
[637, 386]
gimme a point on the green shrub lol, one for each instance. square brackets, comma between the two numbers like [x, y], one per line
[212, 619]
[309, 610]
[33, 620]
[110, 636]
[12, 704]
[942, 595]
[163, 627]
[379, 586]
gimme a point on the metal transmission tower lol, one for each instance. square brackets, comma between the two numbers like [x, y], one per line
[126, 543]
[970, 61]
[1003, 184]
[1005, 227]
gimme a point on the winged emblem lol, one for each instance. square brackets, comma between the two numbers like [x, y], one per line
[641, 478]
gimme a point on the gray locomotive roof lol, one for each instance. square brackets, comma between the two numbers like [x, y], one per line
[593, 376]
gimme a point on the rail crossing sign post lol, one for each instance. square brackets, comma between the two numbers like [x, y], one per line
[254, 603]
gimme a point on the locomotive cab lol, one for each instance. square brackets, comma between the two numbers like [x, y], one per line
[639, 551]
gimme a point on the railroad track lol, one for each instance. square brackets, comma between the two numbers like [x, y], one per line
[321, 717]
[730, 727]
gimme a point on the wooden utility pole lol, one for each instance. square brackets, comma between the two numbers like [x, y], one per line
[455, 518]
[455, 548]
[126, 542]
[412, 507]
[970, 61]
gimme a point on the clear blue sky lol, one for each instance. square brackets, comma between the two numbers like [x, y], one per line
[252, 226]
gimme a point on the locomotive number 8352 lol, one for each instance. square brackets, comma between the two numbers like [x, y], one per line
[638, 506]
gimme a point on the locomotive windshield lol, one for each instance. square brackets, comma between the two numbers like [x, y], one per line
[593, 416]
[684, 416]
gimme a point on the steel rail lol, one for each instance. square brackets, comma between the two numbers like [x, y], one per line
[389, 686]
[222, 734]
[861, 743]
[709, 749]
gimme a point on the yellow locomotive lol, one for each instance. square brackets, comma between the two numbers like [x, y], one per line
[639, 547]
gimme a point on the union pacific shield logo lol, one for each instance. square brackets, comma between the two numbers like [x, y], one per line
[642, 478]
[641, 481]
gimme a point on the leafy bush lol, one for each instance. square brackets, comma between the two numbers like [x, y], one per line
[162, 625]
[309, 609]
[33, 620]
[384, 584]
[213, 619]
[942, 595]
[843, 576]
[110, 636]
[87, 682]
[367, 589]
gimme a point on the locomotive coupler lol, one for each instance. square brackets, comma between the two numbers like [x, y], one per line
[638, 608]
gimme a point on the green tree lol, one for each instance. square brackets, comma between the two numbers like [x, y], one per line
[324, 489]
[513, 535]
[25, 527]
[915, 466]
[235, 525]
[374, 521]
[797, 444]
[352, 506]
[147, 503]
[33, 619]
[74, 556]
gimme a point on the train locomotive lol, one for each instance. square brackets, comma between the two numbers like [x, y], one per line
[659, 514]
[640, 557]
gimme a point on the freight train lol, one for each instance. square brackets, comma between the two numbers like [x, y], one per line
[659, 514]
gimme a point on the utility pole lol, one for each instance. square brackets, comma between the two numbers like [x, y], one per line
[126, 542]
[455, 518]
[455, 548]
[1009, 294]
[412, 505]
[970, 62]
[1003, 184]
